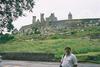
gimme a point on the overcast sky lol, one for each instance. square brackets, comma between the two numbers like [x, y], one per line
[61, 8]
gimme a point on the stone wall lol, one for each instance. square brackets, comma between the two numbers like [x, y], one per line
[27, 56]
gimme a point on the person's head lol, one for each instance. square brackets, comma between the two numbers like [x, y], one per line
[67, 50]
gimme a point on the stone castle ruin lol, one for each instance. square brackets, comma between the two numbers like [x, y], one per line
[51, 25]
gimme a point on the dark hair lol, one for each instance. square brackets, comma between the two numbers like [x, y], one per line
[67, 48]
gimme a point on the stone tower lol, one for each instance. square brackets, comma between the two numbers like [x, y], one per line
[42, 23]
[34, 19]
[42, 17]
[69, 16]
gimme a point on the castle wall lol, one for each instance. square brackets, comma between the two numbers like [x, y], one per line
[52, 24]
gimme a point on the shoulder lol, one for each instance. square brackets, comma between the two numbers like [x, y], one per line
[72, 55]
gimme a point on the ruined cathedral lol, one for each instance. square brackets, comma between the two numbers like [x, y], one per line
[51, 25]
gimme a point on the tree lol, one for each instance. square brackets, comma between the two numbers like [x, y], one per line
[11, 10]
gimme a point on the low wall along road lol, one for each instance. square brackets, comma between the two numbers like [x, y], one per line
[28, 56]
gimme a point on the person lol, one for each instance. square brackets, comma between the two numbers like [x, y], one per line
[69, 59]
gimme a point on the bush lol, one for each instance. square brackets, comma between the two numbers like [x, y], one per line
[57, 36]
[5, 38]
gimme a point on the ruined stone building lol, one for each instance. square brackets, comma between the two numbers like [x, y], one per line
[51, 24]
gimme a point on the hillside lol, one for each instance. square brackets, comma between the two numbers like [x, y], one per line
[80, 41]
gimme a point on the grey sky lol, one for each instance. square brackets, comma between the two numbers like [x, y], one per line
[61, 8]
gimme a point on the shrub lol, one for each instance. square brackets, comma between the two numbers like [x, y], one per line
[57, 36]
[5, 38]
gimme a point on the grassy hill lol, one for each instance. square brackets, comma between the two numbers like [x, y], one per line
[79, 46]
[79, 40]
[56, 45]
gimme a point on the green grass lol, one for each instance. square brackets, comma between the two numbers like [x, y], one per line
[51, 46]
[93, 57]
[87, 31]
[81, 47]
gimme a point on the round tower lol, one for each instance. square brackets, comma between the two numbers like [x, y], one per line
[69, 16]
